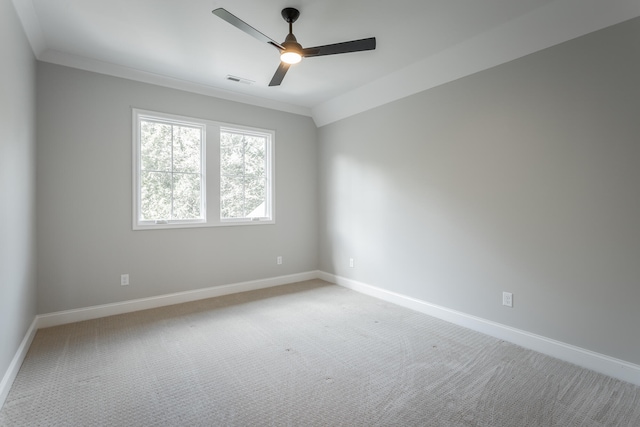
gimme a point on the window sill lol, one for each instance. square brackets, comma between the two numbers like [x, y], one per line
[222, 223]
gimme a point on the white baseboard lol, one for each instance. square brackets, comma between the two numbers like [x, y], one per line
[97, 311]
[607, 365]
[601, 363]
[16, 362]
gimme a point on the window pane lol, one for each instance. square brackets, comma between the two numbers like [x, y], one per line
[255, 194]
[259, 212]
[231, 154]
[186, 196]
[186, 149]
[155, 146]
[231, 197]
[155, 196]
[255, 159]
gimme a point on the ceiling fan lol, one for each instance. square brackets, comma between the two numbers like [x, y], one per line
[291, 52]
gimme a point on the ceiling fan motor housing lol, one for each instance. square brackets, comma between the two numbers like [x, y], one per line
[290, 43]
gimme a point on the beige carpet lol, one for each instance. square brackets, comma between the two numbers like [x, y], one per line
[308, 354]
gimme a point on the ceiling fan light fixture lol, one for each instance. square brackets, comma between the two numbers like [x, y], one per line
[290, 57]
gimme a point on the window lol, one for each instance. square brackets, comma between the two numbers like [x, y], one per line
[171, 171]
[198, 173]
[243, 174]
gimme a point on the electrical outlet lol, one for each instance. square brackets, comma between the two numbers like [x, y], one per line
[279, 260]
[507, 299]
[351, 262]
[124, 280]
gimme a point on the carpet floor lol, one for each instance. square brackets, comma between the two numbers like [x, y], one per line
[306, 354]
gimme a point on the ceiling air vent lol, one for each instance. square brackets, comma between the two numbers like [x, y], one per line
[239, 80]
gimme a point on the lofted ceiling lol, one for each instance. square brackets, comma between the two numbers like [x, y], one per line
[420, 44]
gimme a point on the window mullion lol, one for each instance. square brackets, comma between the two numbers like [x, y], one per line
[172, 175]
[244, 176]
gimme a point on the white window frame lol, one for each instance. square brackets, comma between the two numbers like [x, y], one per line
[211, 172]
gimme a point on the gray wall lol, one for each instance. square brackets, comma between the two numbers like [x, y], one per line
[85, 237]
[17, 185]
[522, 178]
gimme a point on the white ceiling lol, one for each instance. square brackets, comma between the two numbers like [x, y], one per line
[420, 43]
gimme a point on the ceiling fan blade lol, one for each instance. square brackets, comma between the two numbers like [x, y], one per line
[243, 26]
[279, 75]
[344, 47]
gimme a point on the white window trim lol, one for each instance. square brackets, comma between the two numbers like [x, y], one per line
[211, 173]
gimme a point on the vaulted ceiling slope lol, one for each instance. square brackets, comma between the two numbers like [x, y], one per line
[420, 44]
